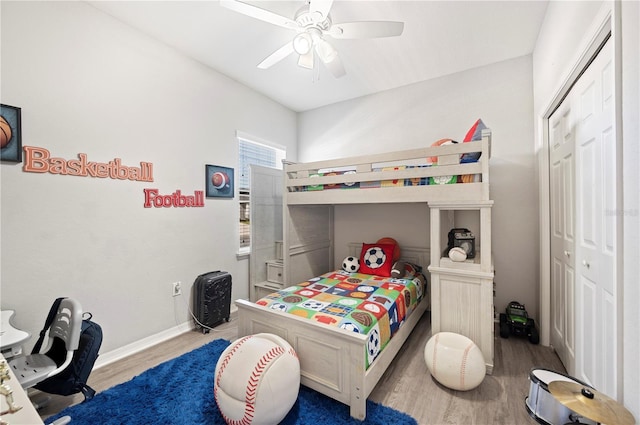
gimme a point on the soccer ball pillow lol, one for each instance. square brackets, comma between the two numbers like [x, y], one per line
[376, 259]
[351, 264]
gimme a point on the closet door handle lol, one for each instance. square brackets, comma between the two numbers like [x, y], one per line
[584, 263]
[567, 253]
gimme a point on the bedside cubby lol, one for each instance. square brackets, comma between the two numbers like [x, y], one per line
[462, 292]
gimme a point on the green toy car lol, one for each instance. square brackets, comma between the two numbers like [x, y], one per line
[516, 321]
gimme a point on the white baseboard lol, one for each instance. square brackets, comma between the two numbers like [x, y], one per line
[133, 348]
[122, 352]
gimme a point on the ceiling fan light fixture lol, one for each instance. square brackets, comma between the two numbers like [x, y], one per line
[306, 61]
[326, 51]
[302, 43]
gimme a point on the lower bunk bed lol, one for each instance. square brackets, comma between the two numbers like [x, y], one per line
[343, 361]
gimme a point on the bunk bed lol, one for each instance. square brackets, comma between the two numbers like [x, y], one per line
[333, 360]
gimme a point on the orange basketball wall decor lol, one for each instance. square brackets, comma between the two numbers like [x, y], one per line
[5, 132]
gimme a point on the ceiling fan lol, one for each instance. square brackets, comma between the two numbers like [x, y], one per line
[312, 23]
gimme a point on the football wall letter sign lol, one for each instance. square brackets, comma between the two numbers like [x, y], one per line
[152, 198]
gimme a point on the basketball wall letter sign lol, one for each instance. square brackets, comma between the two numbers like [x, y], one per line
[39, 160]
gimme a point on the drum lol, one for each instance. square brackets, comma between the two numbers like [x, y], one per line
[543, 407]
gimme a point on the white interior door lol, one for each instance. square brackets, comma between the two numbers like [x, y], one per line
[562, 182]
[596, 225]
[584, 183]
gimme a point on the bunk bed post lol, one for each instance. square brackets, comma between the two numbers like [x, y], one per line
[486, 147]
[435, 262]
[486, 259]
[286, 248]
[435, 236]
[357, 380]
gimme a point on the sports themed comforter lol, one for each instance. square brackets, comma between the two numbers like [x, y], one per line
[371, 305]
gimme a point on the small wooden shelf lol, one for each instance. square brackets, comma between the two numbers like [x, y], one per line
[471, 264]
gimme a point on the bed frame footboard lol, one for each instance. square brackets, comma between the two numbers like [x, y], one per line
[332, 360]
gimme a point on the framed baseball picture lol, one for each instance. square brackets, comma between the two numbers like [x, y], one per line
[219, 181]
[10, 133]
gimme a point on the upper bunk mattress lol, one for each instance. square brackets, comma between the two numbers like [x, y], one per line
[366, 304]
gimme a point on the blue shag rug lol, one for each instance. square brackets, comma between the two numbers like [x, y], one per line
[180, 392]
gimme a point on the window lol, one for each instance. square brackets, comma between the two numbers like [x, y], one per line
[251, 151]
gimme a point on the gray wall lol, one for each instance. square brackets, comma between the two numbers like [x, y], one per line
[87, 83]
[416, 116]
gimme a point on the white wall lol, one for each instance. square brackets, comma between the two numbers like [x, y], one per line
[566, 32]
[630, 31]
[418, 115]
[87, 83]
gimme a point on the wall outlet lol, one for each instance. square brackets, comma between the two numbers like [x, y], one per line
[176, 289]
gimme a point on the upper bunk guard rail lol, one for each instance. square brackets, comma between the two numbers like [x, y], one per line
[379, 168]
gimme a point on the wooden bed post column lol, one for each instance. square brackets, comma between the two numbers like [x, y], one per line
[358, 393]
[435, 236]
[435, 262]
[485, 242]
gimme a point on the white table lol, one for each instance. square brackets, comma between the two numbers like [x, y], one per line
[11, 339]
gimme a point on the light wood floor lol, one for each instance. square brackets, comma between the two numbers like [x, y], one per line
[406, 386]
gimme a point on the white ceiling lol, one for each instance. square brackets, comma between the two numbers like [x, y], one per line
[440, 38]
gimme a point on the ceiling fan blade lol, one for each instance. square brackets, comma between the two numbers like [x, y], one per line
[277, 56]
[259, 13]
[321, 6]
[335, 67]
[366, 29]
[306, 61]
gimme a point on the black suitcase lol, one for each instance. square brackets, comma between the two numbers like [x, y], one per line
[211, 299]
